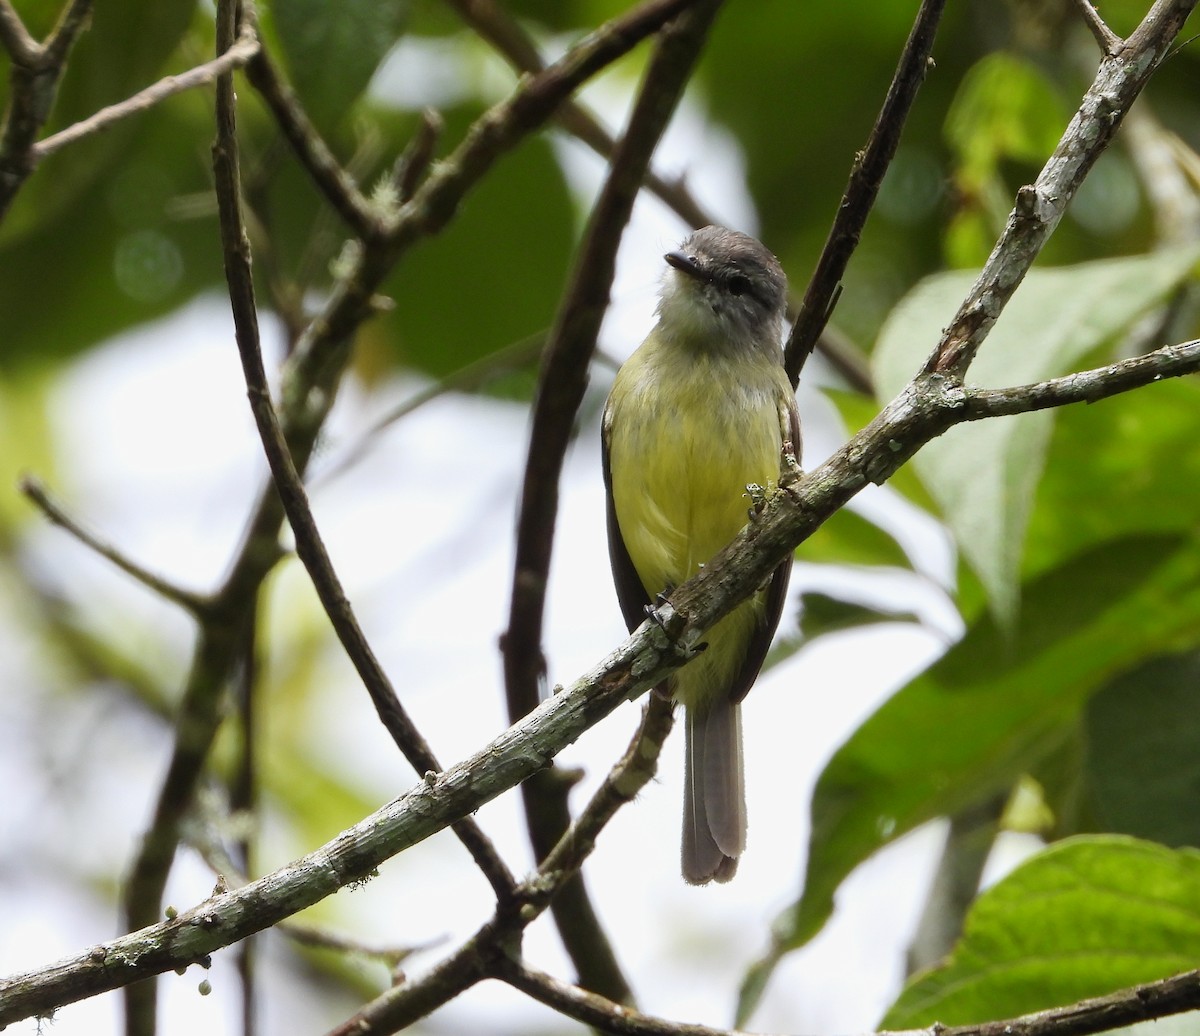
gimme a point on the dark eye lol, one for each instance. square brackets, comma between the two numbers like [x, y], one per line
[738, 285]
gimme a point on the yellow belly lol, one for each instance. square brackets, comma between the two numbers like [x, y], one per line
[684, 445]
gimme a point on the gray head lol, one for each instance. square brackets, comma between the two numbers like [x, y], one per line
[724, 289]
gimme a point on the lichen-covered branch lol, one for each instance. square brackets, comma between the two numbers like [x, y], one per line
[1040, 205]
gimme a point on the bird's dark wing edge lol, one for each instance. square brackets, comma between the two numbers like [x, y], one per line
[631, 594]
[760, 644]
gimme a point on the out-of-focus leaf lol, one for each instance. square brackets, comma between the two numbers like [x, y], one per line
[858, 411]
[122, 251]
[26, 447]
[992, 706]
[124, 48]
[1083, 918]
[1124, 465]
[1005, 108]
[984, 475]
[494, 276]
[850, 539]
[1140, 762]
[332, 50]
[823, 613]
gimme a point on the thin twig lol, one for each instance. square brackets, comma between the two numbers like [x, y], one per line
[413, 163]
[71, 24]
[33, 85]
[202, 75]
[311, 379]
[21, 46]
[1039, 206]
[1108, 40]
[866, 175]
[600, 1013]
[1090, 386]
[309, 546]
[196, 604]
[561, 387]
[486, 953]
[337, 185]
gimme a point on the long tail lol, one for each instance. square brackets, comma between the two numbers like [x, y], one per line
[714, 808]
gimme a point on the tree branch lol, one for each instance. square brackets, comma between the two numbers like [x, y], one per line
[1041, 205]
[33, 83]
[311, 380]
[1108, 40]
[21, 46]
[309, 546]
[202, 75]
[560, 392]
[323, 168]
[924, 409]
[193, 603]
[601, 1014]
[866, 175]
[488, 952]
[1090, 386]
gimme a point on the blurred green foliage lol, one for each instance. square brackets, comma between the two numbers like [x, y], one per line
[1080, 582]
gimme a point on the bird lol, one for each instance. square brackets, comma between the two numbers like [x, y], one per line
[700, 421]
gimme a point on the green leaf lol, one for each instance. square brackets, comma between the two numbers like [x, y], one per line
[848, 538]
[822, 614]
[984, 475]
[1005, 107]
[333, 49]
[993, 705]
[1140, 762]
[1116, 468]
[494, 275]
[124, 48]
[1086, 917]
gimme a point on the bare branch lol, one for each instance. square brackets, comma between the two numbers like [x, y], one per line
[1090, 386]
[1041, 205]
[487, 953]
[194, 603]
[331, 179]
[413, 164]
[601, 1014]
[33, 83]
[21, 46]
[1108, 40]
[309, 545]
[866, 175]
[561, 388]
[202, 75]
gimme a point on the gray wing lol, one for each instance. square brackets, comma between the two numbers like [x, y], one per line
[760, 643]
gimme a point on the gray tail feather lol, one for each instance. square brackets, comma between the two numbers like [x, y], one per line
[714, 812]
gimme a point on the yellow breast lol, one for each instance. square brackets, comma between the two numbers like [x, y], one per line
[685, 440]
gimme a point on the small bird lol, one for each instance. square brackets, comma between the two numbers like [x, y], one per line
[699, 417]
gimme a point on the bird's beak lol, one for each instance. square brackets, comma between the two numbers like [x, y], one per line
[686, 264]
